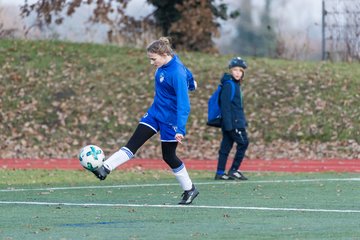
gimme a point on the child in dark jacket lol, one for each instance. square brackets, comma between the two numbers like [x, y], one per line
[234, 123]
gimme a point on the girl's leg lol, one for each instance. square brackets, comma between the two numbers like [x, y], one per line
[140, 136]
[177, 166]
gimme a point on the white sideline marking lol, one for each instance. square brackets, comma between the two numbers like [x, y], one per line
[182, 206]
[176, 184]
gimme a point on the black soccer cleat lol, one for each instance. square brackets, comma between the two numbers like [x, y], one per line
[101, 173]
[222, 177]
[237, 175]
[189, 196]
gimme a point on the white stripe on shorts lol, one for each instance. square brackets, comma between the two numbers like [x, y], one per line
[146, 124]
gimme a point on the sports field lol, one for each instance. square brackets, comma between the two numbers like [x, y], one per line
[138, 204]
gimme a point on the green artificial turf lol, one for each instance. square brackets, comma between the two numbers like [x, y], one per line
[267, 206]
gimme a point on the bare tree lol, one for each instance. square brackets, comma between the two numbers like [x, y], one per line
[191, 23]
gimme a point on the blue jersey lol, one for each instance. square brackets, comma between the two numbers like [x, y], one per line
[171, 102]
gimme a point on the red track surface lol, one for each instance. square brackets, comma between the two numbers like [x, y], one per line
[278, 165]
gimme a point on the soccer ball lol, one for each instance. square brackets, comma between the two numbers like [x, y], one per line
[91, 157]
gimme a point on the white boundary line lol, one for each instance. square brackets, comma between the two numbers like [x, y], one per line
[176, 184]
[182, 206]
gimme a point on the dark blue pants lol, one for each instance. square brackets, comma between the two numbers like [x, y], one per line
[239, 136]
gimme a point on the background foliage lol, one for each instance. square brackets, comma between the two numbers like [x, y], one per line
[191, 23]
[57, 97]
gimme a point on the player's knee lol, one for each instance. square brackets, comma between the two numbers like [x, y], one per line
[172, 160]
[167, 157]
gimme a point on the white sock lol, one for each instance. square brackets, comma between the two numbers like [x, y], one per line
[118, 158]
[183, 178]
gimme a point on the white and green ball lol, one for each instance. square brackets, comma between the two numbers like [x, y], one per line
[91, 157]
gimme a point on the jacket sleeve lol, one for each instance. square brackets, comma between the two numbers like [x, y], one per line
[225, 105]
[182, 101]
[190, 80]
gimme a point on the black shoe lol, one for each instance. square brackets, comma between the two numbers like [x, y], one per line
[237, 175]
[189, 196]
[223, 177]
[101, 172]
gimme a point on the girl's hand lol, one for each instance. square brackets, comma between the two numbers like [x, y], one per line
[179, 137]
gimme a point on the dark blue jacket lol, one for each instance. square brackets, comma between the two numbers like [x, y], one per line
[232, 111]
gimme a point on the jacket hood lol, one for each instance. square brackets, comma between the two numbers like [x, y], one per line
[226, 77]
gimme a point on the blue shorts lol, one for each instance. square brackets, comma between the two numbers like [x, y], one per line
[167, 131]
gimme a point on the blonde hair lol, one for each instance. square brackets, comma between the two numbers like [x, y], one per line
[161, 47]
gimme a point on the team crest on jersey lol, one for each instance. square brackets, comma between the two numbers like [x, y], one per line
[162, 77]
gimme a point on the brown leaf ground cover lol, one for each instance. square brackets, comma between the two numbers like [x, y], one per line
[57, 97]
